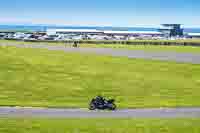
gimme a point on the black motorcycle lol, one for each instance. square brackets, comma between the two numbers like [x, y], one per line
[102, 104]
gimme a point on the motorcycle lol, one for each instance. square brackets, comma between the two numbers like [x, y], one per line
[102, 104]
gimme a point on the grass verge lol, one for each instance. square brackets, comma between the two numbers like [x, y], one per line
[99, 126]
[38, 77]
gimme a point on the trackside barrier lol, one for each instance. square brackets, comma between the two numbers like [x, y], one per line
[134, 42]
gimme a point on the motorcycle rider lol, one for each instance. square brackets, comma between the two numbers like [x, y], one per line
[100, 100]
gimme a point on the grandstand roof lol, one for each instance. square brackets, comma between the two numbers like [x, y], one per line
[76, 30]
[132, 32]
[101, 31]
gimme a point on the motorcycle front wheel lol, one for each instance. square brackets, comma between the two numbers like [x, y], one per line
[92, 106]
[112, 107]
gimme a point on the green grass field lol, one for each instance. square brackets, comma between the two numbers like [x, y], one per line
[38, 77]
[189, 49]
[99, 126]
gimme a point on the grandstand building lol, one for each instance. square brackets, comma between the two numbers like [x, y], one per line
[171, 30]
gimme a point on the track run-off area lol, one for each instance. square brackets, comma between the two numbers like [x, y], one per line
[162, 56]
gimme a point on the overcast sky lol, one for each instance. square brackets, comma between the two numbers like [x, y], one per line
[101, 12]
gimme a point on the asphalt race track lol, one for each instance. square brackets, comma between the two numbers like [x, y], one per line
[85, 113]
[163, 56]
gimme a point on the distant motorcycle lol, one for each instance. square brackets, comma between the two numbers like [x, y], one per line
[102, 104]
[75, 45]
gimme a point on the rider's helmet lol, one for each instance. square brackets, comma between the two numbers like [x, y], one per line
[100, 99]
